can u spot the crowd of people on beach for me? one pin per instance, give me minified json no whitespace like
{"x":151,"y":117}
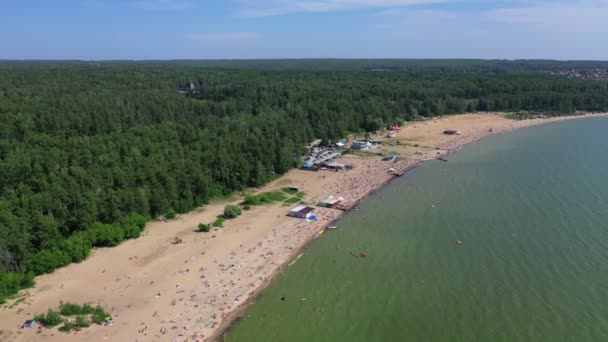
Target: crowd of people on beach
{"x":199,"y":312}
{"x":196,"y":313}
{"x":353,"y":188}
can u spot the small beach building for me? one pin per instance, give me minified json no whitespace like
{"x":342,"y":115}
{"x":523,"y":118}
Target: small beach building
{"x":331,"y":202}
{"x":334,"y":166}
{"x":302,"y":212}
{"x":361,"y":145}
{"x":189,"y":88}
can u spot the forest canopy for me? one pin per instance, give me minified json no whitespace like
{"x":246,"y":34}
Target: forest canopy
{"x":90,"y":151}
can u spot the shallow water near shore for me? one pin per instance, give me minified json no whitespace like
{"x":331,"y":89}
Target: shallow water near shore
{"x":531,"y":208}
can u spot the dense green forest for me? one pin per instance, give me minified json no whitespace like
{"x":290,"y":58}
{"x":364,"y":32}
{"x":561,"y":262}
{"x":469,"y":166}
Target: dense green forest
{"x":434,"y":65}
{"x":90,"y":151}
{"x":417,"y":65}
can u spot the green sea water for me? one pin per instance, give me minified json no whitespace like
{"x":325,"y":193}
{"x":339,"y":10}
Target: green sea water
{"x":531,"y":208}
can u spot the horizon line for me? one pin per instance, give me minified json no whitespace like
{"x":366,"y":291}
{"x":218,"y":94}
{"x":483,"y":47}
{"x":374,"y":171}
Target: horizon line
{"x":298,"y":59}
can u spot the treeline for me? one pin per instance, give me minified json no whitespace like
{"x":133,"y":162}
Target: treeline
{"x":90,"y":151}
{"x":499,"y":66}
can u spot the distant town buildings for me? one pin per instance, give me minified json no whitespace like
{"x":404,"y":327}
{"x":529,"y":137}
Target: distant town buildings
{"x":591,"y":74}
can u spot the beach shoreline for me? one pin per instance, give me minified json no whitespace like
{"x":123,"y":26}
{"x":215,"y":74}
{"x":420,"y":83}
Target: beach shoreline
{"x":451,"y":148}
{"x":153,"y":288}
{"x":235,"y":316}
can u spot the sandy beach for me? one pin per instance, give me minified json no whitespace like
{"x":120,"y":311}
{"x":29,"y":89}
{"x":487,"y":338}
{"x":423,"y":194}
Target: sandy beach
{"x":193,"y":291}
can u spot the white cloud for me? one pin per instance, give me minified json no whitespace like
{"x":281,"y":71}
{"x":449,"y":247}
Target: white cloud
{"x":565,"y":30}
{"x":582,"y":16}
{"x":254,"y":8}
{"x":224,"y":37}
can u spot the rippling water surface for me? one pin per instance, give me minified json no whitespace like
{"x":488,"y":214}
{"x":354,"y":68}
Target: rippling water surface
{"x":531,"y":208}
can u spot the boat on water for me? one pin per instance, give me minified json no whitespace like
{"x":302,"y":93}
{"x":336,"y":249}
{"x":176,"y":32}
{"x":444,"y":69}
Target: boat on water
{"x":331,"y":228}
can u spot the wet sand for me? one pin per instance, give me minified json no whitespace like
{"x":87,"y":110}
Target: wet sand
{"x":158,"y":291}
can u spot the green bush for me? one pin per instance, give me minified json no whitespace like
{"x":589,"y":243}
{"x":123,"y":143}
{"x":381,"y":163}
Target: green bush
{"x":87,"y":309}
{"x":251,"y":200}
{"x":246,"y":207}
{"x":131,"y":231}
{"x":70,"y":309}
{"x":231,"y":211}
{"x":204,"y":227}
{"x":78,"y":246}
{"x":133,"y":224}
{"x":170,"y":214}
{"x":100,"y":315}
{"x":219,"y":222}
{"x":50,"y":319}
{"x":135,"y":219}
{"x":53,"y":318}
{"x":48,"y":260}
{"x":105,"y":235}
{"x":66,"y":327}
{"x":82,"y":322}
{"x":11,"y":283}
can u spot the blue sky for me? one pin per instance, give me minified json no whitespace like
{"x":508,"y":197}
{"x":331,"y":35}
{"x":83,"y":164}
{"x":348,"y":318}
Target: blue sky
{"x":212,"y":29}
